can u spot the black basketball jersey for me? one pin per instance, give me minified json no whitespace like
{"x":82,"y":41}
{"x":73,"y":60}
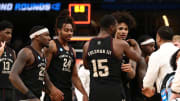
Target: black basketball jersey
{"x":61,"y":67}
{"x":33,"y":76}
{"x":105,"y":71}
{"x":6,"y":62}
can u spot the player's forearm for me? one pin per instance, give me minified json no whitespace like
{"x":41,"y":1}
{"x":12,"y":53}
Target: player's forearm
{"x":49,"y":85}
{"x":131,"y":74}
{"x":137,"y":49}
{"x":18,"y":83}
{"x":141,"y":70}
{"x":77,"y":83}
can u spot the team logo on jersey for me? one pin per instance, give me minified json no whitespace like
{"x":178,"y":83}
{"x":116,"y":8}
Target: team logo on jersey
{"x":99,"y":43}
{"x":39,"y":57}
{"x":60,"y":49}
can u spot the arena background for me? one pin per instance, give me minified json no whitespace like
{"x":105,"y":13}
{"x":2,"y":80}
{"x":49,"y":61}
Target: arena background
{"x":148,"y":15}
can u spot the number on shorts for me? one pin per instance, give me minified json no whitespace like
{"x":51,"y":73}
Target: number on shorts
{"x":97,"y":65}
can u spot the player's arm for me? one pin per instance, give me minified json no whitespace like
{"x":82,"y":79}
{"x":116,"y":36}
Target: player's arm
{"x":135,"y":46}
{"x":77,"y":82}
{"x":133,"y":43}
{"x":24,"y":57}
{"x":49,"y":52}
{"x":85,"y":49}
{"x":54,"y":93}
{"x":130,"y":68}
{"x":14,"y":55}
{"x":2,"y":48}
{"x":141,"y":64}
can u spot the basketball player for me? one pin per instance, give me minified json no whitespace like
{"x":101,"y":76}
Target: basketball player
{"x":7,"y":58}
{"x":28,"y":71}
{"x":61,"y":59}
{"x":103,"y":56}
{"x":147,"y":45}
{"x":126,"y":22}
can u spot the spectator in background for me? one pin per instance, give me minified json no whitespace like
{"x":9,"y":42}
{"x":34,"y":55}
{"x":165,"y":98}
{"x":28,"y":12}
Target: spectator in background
{"x":175,"y":87}
{"x":176,"y":40}
{"x":7,"y":58}
{"x":159,"y":62}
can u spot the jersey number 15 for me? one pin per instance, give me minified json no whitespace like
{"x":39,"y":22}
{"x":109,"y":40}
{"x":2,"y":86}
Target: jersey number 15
{"x":100,"y":70}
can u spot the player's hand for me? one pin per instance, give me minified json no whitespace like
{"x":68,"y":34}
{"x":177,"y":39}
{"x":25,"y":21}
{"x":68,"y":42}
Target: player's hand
{"x":56,"y":94}
{"x":126,"y":68}
{"x":85,"y":98}
{"x":35,"y":99}
{"x":148,"y":92}
{"x":174,"y":96}
{"x":2,"y":47}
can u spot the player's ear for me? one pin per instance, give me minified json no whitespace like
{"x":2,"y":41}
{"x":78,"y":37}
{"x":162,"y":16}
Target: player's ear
{"x":36,"y":36}
{"x":111,"y":27}
{"x":58,"y":31}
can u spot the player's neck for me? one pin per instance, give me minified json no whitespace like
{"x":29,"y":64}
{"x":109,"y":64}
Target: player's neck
{"x":37,"y":47}
{"x":144,"y":54}
{"x":63,"y":42}
{"x":104,"y":33}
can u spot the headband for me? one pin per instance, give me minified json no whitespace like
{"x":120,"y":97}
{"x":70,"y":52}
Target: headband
{"x":147,"y":42}
{"x":39,"y":32}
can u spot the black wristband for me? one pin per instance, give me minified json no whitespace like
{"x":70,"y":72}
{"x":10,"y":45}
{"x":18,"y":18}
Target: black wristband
{"x":174,"y":92}
{"x":30,"y":95}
